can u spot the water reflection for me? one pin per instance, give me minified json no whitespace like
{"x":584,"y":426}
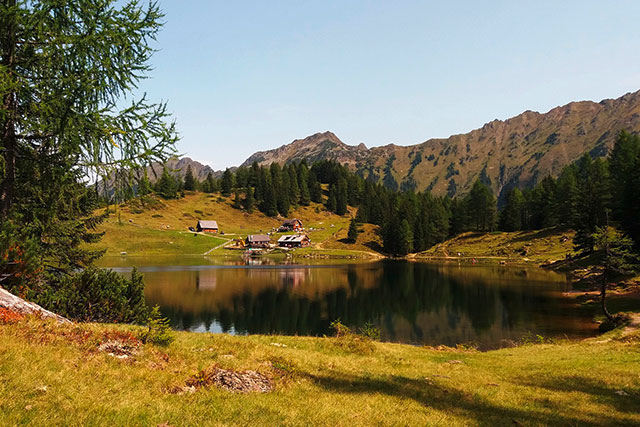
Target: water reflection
{"x":410,"y":302}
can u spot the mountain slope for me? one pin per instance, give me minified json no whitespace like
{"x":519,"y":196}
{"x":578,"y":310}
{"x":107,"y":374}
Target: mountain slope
{"x":517,"y":151}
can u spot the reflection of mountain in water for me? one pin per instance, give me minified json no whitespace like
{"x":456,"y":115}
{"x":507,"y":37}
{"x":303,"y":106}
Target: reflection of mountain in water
{"x":409,"y":302}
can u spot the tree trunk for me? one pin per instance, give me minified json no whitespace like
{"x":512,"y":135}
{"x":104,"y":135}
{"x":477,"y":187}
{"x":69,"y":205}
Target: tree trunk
{"x":9,"y":105}
{"x":603,"y":294}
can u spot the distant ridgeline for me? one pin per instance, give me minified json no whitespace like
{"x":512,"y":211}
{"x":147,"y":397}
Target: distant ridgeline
{"x":587,"y":194}
{"x":517,"y":152}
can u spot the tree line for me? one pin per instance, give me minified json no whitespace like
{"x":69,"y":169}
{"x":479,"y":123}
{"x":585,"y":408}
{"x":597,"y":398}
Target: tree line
{"x":587,"y":194}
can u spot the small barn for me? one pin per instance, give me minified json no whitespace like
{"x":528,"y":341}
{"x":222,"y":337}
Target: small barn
{"x":294,"y":241}
{"x":258,"y":241}
{"x":207,"y":226}
{"x":291,"y":225}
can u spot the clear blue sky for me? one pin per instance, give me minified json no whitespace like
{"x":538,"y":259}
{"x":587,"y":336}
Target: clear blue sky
{"x":242,"y":76}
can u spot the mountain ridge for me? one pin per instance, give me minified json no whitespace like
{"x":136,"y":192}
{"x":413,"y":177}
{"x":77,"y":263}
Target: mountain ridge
{"x":518,"y":151}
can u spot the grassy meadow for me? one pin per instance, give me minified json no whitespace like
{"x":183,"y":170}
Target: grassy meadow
{"x":160,"y":227}
{"x":538,"y":246}
{"x":320,"y":381}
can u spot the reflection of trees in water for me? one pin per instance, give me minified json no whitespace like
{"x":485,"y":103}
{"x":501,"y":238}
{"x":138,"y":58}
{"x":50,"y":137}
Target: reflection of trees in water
{"x":404,"y":291}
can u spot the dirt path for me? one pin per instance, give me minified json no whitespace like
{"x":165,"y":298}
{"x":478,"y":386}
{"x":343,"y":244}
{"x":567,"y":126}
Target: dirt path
{"x":217,"y":247}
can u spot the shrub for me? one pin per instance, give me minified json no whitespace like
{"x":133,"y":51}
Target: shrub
{"x":198,"y":211}
{"x":352,"y":342}
{"x":94,"y":295}
{"x":158,"y":331}
{"x":156,"y":216}
{"x":370,"y":331}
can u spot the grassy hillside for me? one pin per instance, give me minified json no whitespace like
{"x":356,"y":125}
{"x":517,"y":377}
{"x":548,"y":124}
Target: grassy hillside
{"x":160,"y":227}
{"x":539,"y":246}
{"x":73,"y":380}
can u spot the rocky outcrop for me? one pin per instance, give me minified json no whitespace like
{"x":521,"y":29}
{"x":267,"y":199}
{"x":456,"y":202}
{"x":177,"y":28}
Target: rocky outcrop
{"x":17,"y":305}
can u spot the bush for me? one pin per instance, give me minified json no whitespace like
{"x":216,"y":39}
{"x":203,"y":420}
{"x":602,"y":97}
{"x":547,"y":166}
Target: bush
{"x":158,"y":331}
{"x":352,"y":342}
{"x":94,"y":295}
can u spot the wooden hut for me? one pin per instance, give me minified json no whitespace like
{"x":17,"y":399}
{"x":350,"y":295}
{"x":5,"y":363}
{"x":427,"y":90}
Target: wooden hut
{"x":258,"y":241}
{"x":207,"y":226}
{"x":294,"y":241}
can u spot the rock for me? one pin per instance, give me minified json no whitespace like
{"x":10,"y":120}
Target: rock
{"x":18,"y":305}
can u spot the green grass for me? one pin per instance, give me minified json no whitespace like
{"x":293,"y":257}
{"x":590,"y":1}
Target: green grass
{"x":318,"y":381}
{"x":147,"y":241}
{"x":147,"y":229}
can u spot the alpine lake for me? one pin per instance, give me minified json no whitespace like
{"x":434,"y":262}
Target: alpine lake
{"x":420,"y":303}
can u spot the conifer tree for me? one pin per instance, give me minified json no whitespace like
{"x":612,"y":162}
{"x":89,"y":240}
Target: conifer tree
{"x":315,"y":189}
{"x":341,"y":197}
{"x":167,"y":187}
{"x":352,"y":234}
{"x":303,"y":176}
{"x":189,"y":180}
{"x":144,"y":186}
{"x":237,"y":203}
{"x":511,"y":215}
{"x":332,"y":201}
{"x":227,"y":182}
{"x":249,"y":201}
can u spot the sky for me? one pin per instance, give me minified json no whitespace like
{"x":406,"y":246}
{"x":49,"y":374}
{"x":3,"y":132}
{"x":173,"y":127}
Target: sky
{"x":244,"y":76}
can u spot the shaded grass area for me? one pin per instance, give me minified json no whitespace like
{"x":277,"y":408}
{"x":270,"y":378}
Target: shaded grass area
{"x":317,"y":381}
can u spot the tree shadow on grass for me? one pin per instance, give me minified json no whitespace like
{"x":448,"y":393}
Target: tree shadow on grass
{"x":622,"y":399}
{"x":539,"y":234}
{"x":460,"y":403}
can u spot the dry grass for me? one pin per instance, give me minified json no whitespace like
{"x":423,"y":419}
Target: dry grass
{"x":70,"y":382}
{"x":540,"y":246}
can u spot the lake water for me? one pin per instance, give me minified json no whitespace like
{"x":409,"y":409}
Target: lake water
{"x":410,"y":302}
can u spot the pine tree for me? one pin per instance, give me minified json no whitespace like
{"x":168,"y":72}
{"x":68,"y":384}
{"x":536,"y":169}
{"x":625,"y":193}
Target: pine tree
{"x":237,"y":203}
{"x":352,"y":234}
{"x":167,"y":187}
{"x":481,"y":207}
{"x":189,"y":180}
{"x":315,"y":188}
{"x":511,"y":214}
{"x":66,"y":69}
{"x":303,"y":175}
{"x":617,"y":259}
{"x":294,"y":188}
{"x":341,"y":197}
{"x":624,"y":169}
{"x":227,"y":182}
{"x":332,"y":201}
{"x":144,"y":186}
{"x":249,"y":201}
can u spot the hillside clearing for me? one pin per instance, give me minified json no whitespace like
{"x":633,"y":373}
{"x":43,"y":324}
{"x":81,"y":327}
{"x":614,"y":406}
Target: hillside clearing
{"x":161,"y":227}
{"x":539,"y":246}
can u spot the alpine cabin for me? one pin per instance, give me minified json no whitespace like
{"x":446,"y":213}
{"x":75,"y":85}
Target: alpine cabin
{"x":294,"y":241}
{"x":207,"y":226}
{"x":291,"y":225}
{"x":258,"y":241}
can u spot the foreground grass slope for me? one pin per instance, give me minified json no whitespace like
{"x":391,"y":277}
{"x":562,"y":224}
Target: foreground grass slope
{"x":160,"y":227}
{"x":323,"y":381}
{"x":539,"y":246}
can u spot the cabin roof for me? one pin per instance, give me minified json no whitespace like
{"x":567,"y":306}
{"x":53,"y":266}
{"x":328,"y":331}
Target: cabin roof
{"x":291,"y":221}
{"x":292,"y":238}
{"x":254,"y":238}
{"x":207,"y":224}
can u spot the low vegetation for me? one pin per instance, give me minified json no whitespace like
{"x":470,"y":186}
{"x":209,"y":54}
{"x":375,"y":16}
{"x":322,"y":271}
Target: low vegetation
{"x":94,"y":374}
{"x":541,"y":246}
